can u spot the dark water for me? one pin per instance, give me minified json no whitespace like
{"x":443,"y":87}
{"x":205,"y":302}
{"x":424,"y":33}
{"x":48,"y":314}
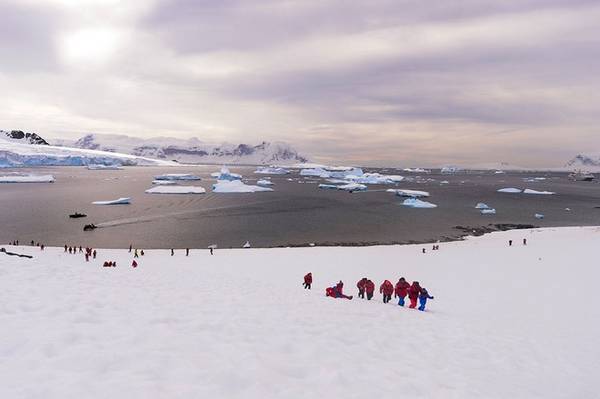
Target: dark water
{"x":293,"y":214}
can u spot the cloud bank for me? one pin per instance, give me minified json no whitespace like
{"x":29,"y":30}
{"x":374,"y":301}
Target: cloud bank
{"x":373,"y":83}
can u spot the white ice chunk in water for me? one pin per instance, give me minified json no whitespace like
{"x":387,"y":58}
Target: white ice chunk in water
{"x":539,"y":216}
{"x":164,"y":182}
{"x":271,"y":171}
{"x":408,"y":193}
{"x":264,"y":182}
{"x":169,"y":189}
{"x":246,"y":245}
{"x":530,"y":191}
{"x":27,"y":179}
{"x":328,"y":186}
{"x":352,"y":187}
{"x":120,"y":201}
{"x":225,"y":174}
{"x":417,"y":203}
{"x":510,"y":190}
{"x":481,"y":205}
{"x":237,"y":186}
{"x":488,"y":211}
{"x":177,"y":176}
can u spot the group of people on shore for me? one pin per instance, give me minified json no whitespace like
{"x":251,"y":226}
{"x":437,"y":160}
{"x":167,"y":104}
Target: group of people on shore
{"x":366,"y":287}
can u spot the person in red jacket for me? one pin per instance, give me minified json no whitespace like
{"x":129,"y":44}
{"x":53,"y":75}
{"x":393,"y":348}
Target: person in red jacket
{"x":361,"y":287}
{"x":401,"y":290}
{"x":387,"y":289}
{"x":369,"y":289}
{"x":337,"y":291}
{"x":413,"y":294}
{"x":308,"y":281}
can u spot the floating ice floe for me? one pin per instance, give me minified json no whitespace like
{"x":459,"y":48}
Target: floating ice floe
{"x":169,"y":189}
{"x":225,"y":174}
{"x":177,"y":176}
{"x":416,"y":170}
{"x":336,"y":172}
{"x":539,"y":216}
{"x":237,"y":186}
{"x":446,"y":170}
{"x":164,"y":182}
{"x":270,"y":170}
{"x":510,"y":190}
{"x":104,"y":167}
{"x":481,"y":205}
{"x":446,"y":182}
{"x":328,"y":186}
{"x":352,"y":187}
{"x":499,"y":172}
{"x":246,"y":245}
{"x":264,"y":182}
{"x":530,"y":191}
{"x":120,"y":201}
{"x":408,"y":193}
{"x":27,"y":179}
{"x":488,"y":211}
{"x":375,"y":178}
{"x":417,"y":203}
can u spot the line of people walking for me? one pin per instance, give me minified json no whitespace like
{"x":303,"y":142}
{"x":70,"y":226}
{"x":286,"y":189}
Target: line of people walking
{"x":366,"y":287}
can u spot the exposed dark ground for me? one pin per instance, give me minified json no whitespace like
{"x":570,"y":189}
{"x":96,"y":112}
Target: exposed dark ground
{"x":294,"y":214}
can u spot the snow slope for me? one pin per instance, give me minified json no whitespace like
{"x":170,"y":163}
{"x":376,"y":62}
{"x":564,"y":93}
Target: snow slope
{"x":506,"y":322}
{"x":15,"y":153}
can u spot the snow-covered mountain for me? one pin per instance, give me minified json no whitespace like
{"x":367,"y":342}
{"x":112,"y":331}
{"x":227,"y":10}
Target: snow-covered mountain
{"x":189,"y":151}
{"x":22,"y":137}
{"x":16,"y":152}
{"x":585,"y":162}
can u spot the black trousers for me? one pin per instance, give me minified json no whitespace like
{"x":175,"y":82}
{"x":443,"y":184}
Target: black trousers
{"x":369,"y":295}
{"x":306,"y":286}
{"x":361,"y":294}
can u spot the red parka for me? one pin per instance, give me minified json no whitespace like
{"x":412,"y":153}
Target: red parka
{"x":414,"y":290}
{"x":369,"y":287}
{"x":308,"y":278}
{"x":402,"y":287}
{"x":361,"y":284}
{"x":387,"y":288}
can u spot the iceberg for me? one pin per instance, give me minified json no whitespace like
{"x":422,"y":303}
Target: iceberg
{"x":237,"y":186}
{"x":417,"y":203}
{"x":375,"y":178}
{"x":352,"y":187}
{"x":264,"y":182}
{"x":225,"y":174}
{"x":408,"y":193}
{"x":328,"y":186}
{"x":416,"y":170}
{"x":447,"y":170}
{"x":510,"y":190}
{"x":317,"y":172}
{"x":104,"y":167}
{"x":488,"y":211}
{"x":530,"y":191}
{"x":246,"y":245}
{"x":164,"y":182}
{"x":271,"y":171}
{"x":177,"y":176}
{"x":120,"y":201}
{"x":27,"y":179}
{"x":481,"y":205}
{"x":539,"y":216}
{"x":168,"y":189}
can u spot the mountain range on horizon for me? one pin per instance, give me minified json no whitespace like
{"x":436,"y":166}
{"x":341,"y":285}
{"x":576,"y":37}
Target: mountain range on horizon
{"x":195,"y":151}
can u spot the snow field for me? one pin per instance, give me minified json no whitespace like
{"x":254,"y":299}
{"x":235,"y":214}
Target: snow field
{"x":518,"y":322}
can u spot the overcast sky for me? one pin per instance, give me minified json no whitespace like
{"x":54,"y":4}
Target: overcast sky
{"x":378,"y":82}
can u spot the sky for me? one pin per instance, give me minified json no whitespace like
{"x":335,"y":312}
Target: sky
{"x":378,"y":82}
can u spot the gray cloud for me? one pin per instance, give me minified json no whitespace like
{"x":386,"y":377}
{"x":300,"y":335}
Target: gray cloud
{"x":388,"y":82}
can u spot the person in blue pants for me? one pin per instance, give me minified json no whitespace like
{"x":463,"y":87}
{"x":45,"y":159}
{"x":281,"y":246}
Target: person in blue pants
{"x":423,"y":297}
